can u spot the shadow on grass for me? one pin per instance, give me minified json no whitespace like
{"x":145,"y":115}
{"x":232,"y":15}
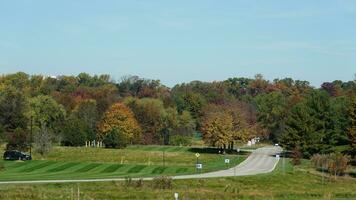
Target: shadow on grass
{"x":112,"y":168}
{"x":88,"y":167}
{"x":352,"y":174}
{"x":136,"y":169}
{"x":158,"y":170}
{"x":63,"y":167}
{"x":37,"y":167}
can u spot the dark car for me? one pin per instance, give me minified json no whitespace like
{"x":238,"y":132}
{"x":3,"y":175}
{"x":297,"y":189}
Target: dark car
{"x":16,"y":155}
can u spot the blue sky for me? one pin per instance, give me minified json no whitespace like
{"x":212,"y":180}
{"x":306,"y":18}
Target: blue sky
{"x":180,"y":41}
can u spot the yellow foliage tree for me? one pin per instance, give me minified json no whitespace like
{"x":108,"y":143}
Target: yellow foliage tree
{"x":120,"y":118}
{"x":217,"y":129}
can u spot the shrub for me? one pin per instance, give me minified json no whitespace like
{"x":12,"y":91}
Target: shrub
{"x":180,"y":140}
{"x":296,"y":156}
{"x":115,"y":139}
{"x":162,"y":182}
{"x":319,"y":161}
{"x":335,"y":163}
{"x":75,"y":132}
{"x":129,"y":182}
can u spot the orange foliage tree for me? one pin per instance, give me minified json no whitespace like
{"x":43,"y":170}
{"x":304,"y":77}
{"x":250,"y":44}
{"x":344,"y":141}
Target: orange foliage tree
{"x":121,"y":119}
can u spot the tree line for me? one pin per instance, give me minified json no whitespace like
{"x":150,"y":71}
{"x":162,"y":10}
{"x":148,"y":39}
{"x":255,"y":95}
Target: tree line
{"x":71,"y":110}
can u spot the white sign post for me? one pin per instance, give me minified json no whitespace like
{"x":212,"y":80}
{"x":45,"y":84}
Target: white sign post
{"x":176,"y":195}
{"x":199,"y":166}
{"x":227,"y":161}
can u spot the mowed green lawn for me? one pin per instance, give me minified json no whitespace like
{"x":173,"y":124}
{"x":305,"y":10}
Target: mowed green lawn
{"x":285,"y":183}
{"x":134,"y":161}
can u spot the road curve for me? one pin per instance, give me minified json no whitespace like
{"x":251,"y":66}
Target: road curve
{"x":260,"y":161}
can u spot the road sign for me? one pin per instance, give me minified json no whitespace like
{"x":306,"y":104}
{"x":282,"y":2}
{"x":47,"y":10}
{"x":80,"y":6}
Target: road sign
{"x":176,"y":195}
{"x":277,"y":156}
{"x":199,"y":166}
{"x":227,"y":161}
{"x":197,"y":155}
{"x":238,"y":149}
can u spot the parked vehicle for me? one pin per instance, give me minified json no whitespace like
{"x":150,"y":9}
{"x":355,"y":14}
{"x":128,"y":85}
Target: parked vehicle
{"x":16,"y":155}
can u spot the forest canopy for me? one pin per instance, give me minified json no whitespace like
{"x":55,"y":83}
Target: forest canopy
{"x":134,"y":110}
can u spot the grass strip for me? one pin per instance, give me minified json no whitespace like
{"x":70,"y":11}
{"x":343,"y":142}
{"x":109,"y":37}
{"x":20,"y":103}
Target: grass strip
{"x":158,"y":170}
{"x":62,"y":167}
{"x":111,"y":168}
{"x":181,"y":170}
{"x":37,"y":167}
{"x":88,"y":167}
{"x":136,"y":169}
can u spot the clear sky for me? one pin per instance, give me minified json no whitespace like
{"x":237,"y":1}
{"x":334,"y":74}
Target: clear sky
{"x":182,"y":40}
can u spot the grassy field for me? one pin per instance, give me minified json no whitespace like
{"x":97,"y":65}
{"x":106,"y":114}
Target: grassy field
{"x":135,"y":161}
{"x":285,"y":183}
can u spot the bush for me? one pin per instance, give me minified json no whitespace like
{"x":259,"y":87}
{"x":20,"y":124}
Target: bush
{"x":335,"y":164}
{"x":115,"y":139}
{"x":319,"y":161}
{"x":179,"y":140}
{"x":162,"y":182}
{"x":129,"y":182}
{"x":75,"y":133}
{"x":296,"y":156}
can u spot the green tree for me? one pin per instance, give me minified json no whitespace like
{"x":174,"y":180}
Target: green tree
{"x":87,"y":112}
{"x":309,"y":125}
{"x":76,"y":132}
{"x":352,"y":128}
{"x":272,"y":113}
{"x":12,"y":108}
{"x":116,"y":139}
{"x":44,"y":110}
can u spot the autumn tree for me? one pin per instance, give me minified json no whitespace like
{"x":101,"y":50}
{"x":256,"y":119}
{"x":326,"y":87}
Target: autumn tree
{"x":120,"y":121}
{"x":151,"y":114}
{"x":217,"y":129}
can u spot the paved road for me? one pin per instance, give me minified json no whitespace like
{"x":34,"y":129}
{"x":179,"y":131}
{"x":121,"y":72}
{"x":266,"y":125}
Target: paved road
{"x":260,"y":161}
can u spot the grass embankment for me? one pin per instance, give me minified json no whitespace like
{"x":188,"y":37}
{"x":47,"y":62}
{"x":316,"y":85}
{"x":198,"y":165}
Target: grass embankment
{"x":135,"y":161}
{"x":285,"y":183}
